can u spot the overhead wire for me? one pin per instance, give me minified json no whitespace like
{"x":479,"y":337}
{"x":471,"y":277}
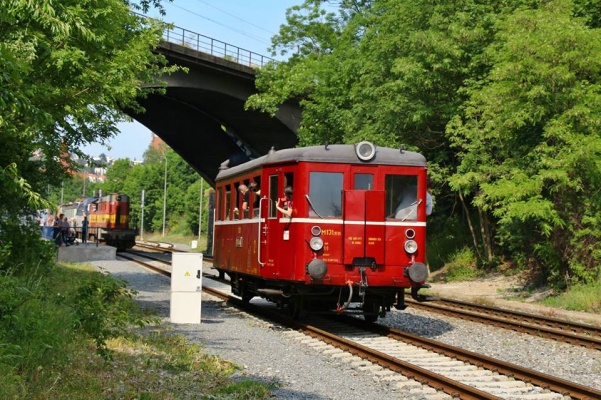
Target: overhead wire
{"x":249,"y":35}
{"x":238,"y":18}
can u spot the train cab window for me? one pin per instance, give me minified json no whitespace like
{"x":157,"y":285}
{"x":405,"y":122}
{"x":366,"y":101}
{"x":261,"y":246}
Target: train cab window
{"x":364,"y":182}
{"x":273,"y":195}
{"x":289,"y":180}
{"x":325,"y":192}
{"x":401,"y":197}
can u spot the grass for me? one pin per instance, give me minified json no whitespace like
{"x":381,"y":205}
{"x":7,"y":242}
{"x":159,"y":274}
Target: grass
{"x":461,"y":267}
{"x":578,"y":298}
{"x":149,"y":364}
{"x":53,"y":358}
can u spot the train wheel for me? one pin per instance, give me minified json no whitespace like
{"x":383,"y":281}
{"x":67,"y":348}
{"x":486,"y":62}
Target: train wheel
{"x":371,"y":309}
{"x":247,"y":296}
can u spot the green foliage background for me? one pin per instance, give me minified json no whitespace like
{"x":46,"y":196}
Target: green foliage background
{"x":501,"y":97}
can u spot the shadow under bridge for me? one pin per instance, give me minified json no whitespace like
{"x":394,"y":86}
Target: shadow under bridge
{"x":202,"y":117}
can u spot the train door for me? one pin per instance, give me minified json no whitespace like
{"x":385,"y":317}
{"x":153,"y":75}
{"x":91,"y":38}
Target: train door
{"x":267,"y":226}
{"x":364,"y":217}
{"x":276,"y":238}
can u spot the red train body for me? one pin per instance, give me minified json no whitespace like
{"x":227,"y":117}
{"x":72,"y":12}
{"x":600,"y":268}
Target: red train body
{"x":108,"y":218}
{"x":348,"y":245}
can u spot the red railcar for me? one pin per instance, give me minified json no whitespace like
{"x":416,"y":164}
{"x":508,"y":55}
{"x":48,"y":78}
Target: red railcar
{"x":356,"y":238}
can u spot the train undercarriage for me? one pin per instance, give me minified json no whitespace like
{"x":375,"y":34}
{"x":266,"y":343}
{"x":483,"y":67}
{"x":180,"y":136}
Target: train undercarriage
{"x":299,"y":298}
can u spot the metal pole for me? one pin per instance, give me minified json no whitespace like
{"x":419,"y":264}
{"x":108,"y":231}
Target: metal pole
{"x":142,"y":224}
{"x":165,"y":197}
{"x":200,"y":212}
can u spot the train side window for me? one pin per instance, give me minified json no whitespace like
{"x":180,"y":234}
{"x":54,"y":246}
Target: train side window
{"x":219,"y":211}
{"x":401,"y":197}
{"x":228,"y":195}
{"x":241,"y":213}
{"x":325,"y":191}
{"x":364,"y":182}
{"x":255,"y":195}
{"x":273,"y":195}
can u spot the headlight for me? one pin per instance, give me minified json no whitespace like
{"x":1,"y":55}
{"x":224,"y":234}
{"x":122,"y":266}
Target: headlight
{"x":410,"y":246}
{"x":365,"y":150}
{"x":316,"y":243}
{"x":315,"y":230}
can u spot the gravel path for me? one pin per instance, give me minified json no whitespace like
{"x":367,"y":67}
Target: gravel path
{"x":262,"y":349}
{"x":270,"y":353}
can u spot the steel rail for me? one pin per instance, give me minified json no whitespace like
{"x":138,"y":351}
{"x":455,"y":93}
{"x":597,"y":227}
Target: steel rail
{"x":558,"y":323}
{"x":527,"y":323}
{"x":422,"y":375}
{"x":555,"y":384}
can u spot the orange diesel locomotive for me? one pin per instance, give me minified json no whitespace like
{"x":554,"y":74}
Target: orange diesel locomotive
{"x":108,"y":218}
{"x":355,"y":239}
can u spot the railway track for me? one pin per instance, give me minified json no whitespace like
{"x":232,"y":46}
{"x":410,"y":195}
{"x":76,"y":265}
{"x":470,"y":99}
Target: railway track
{"x":169,"y":247}
{"x":552,"y":328}
{"x":457,"y":372}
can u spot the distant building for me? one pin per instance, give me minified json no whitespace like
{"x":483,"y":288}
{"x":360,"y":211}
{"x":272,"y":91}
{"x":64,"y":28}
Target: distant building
{"x":158,"y":144}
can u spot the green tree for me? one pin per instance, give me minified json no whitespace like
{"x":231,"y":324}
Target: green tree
{"x":390,"y":72}
{"x":193,"y":203}
{"x":501,"y":98}
{"x":118,"y":175}
{"x":67,"y":72}
{"x":529,"y":141}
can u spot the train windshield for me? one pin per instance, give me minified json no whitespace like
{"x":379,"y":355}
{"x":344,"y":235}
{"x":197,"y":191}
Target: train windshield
{"x":325,"y":191}
{"x":364,"y":182}
{"x":401,"y":197}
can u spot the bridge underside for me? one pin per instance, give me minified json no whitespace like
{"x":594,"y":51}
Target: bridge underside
{"x":202,"y":117}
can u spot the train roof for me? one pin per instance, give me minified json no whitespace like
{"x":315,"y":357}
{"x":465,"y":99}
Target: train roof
{"x":335,"y":154}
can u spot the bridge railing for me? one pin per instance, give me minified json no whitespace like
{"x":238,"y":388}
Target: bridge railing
{"x":215,"y":47}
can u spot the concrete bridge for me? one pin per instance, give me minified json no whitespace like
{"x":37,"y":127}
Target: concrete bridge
{"x":202,"y":117}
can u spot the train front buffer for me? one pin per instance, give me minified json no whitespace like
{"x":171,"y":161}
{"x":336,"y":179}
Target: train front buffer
{"x":366,"y":255}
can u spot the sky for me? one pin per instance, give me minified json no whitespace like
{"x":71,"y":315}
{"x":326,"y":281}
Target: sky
{"x":248,"y":24}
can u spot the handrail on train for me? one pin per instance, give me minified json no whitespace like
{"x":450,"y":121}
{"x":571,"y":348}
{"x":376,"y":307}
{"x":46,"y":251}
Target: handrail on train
{"x":214,"y":47}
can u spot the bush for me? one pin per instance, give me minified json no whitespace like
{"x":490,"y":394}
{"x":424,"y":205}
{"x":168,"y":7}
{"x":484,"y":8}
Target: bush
{"x":34,"y":330}
{"x":462,"y":266}
{"x":445,"y":236}
{"x":22,"y":248}
{"x":103,"y":310}
{"x":578,"y":298}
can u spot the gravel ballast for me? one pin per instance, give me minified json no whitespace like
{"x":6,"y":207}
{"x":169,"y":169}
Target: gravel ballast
{"x":269,"y":353}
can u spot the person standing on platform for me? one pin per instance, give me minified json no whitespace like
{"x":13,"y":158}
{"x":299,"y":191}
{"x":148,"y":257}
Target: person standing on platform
{"x":65,"y":230}
{"x":84,"y":229}
{"x":58,"y":230}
